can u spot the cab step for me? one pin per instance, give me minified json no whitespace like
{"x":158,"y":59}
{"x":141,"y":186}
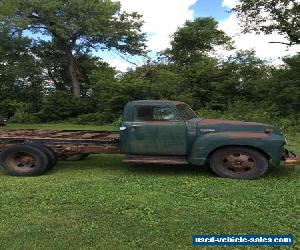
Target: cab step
{"x":172,"y":160}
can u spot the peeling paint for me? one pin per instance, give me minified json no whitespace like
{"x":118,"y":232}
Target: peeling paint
{"x":258,"y":135}
{"x":226,"y":122}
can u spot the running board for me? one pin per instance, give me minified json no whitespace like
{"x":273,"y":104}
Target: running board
{"x":172,"y":160}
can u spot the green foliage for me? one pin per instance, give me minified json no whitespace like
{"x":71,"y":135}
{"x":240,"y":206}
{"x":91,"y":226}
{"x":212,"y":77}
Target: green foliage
{"x":76,"y":25}
{"x":8,"y":107}
{"x":283,"y":17}
{"x":93,"y":119}
{"x":33,"y":73}
{"x":21,"y":116}
{"x":256,"y":112}
{"x":53,"y":64}
{"x":117,"y":122}
{"x":60,"y":106}
{"x":195,"y":39}
{"x":284,"y":87}
{"x":21,"y":76}
{"x":95,"y":23}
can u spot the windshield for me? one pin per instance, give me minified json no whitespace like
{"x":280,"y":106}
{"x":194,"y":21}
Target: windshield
{"x":186,"y":112}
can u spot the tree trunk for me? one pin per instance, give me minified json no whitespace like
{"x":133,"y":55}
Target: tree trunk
{"x":72,"y":71}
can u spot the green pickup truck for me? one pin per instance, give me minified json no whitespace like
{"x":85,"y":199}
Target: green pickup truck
{"x":156,"y":132}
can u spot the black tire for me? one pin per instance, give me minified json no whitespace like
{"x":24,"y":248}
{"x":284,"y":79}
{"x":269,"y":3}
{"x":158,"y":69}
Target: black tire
{"x":239,"y":163}
{"x":52,"y":158}
{"x":24,"y":160}
{"x":76,"y":157}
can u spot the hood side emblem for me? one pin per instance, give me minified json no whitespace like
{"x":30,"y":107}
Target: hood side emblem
{"x":207,"y":130}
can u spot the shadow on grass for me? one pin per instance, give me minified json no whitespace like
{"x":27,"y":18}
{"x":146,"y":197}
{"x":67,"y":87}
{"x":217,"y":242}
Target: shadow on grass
{"x":282,"y":171}
{"x":113,"y":163}
{"x":168,"y":169}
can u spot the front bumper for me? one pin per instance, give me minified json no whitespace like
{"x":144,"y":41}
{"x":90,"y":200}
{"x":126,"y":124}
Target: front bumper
{"x":290,"y":159}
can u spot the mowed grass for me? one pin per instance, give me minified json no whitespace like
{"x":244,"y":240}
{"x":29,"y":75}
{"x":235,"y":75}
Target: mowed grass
{"x":102,"y":203}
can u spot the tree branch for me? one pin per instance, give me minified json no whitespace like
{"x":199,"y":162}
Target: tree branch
{"x":125,"y":59}
{"x":288,"y":44}
{"x":50,"y":74}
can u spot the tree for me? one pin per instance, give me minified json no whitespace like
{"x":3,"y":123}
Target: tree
{"x":244,"y":76}
{"x":284,"y":87}
{"x":268,"y":16}
{"x":195,"y":39}
{"x":54,"y":65}
{"x":76,"y":25}
{"x":21,"y":76}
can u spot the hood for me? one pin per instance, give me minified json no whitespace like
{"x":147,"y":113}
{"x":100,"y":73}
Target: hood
{"x":209,"y":125}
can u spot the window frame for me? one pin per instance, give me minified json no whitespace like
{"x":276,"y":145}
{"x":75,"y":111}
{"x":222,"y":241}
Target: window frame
{"x":173,"y":109}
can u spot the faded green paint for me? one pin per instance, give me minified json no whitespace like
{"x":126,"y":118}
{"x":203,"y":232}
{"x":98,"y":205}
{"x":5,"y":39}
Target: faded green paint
{"x":150,"y":138}
{"x":196,"y":138}
{"x":153,"y":137}
{"x":207,"y":143}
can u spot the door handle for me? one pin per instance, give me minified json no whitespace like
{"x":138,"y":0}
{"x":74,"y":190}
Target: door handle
{"x":136,"y":126}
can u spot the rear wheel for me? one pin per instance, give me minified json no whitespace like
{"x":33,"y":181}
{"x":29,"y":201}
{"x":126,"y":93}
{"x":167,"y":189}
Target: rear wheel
{"x":24,"y":160}
{"x":52,"y":158}
{"x":239,"y":163}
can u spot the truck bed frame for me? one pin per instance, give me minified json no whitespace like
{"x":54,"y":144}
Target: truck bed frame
{"x":64,"y":142}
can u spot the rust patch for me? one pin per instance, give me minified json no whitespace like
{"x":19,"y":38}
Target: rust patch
{"x":172,"y":160}
{"x":64,"y":142}
{"x":226,"y":122}
{"x":98,"y":149}
{"x":257,"y":135}
{"x":58,"y":134}
{"x":153,"y":122}
{"x":71,"y":149}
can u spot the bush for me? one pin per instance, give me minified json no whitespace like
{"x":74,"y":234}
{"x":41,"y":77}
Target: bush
{"x":59,"y":106}
{"x":21,"y":116}
{"x":117,"y":121}
{"x":93,"y":119}
{"x":257,"y":112}
{"x":9,"y":107}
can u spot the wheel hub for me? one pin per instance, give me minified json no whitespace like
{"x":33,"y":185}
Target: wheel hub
{"x":239,"y":162}
{"x":22,"y":160}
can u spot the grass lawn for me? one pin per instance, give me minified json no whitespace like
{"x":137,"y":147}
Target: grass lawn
{"x":103,"y":203}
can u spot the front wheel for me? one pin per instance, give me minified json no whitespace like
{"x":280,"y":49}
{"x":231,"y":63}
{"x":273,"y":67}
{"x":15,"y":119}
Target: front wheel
{"x":52,"y":158}
{"x":239,"y":163}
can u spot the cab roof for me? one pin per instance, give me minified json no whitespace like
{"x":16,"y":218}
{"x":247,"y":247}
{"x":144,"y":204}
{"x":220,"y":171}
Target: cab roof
{"x":156,"y":102}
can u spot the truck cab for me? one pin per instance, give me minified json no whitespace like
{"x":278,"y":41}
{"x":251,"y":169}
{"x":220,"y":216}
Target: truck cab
{"x":154,"y":128}
{"x":162,"y":131}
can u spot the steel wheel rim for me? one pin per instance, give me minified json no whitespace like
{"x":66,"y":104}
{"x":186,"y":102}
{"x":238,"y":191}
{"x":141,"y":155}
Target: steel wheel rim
{"x":21,"y":161}
{"x":239,"y":162}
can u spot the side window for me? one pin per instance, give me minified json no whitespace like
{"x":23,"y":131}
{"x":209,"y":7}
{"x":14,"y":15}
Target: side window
{"x":163,"y":114}
{"x":144,"y":113}
{"x":151,"y":113}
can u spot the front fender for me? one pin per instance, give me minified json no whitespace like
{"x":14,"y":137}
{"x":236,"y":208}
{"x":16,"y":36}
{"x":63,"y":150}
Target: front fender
{"x":205,"y":144}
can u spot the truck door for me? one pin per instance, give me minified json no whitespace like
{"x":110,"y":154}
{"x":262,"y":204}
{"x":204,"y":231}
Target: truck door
{"x":157,"y":130}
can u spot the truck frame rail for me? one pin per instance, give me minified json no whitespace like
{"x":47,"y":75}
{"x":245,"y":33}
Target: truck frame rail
{"x":64,"y":142}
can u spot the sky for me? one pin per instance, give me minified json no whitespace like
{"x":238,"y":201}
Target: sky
{"x":163,"y":17}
